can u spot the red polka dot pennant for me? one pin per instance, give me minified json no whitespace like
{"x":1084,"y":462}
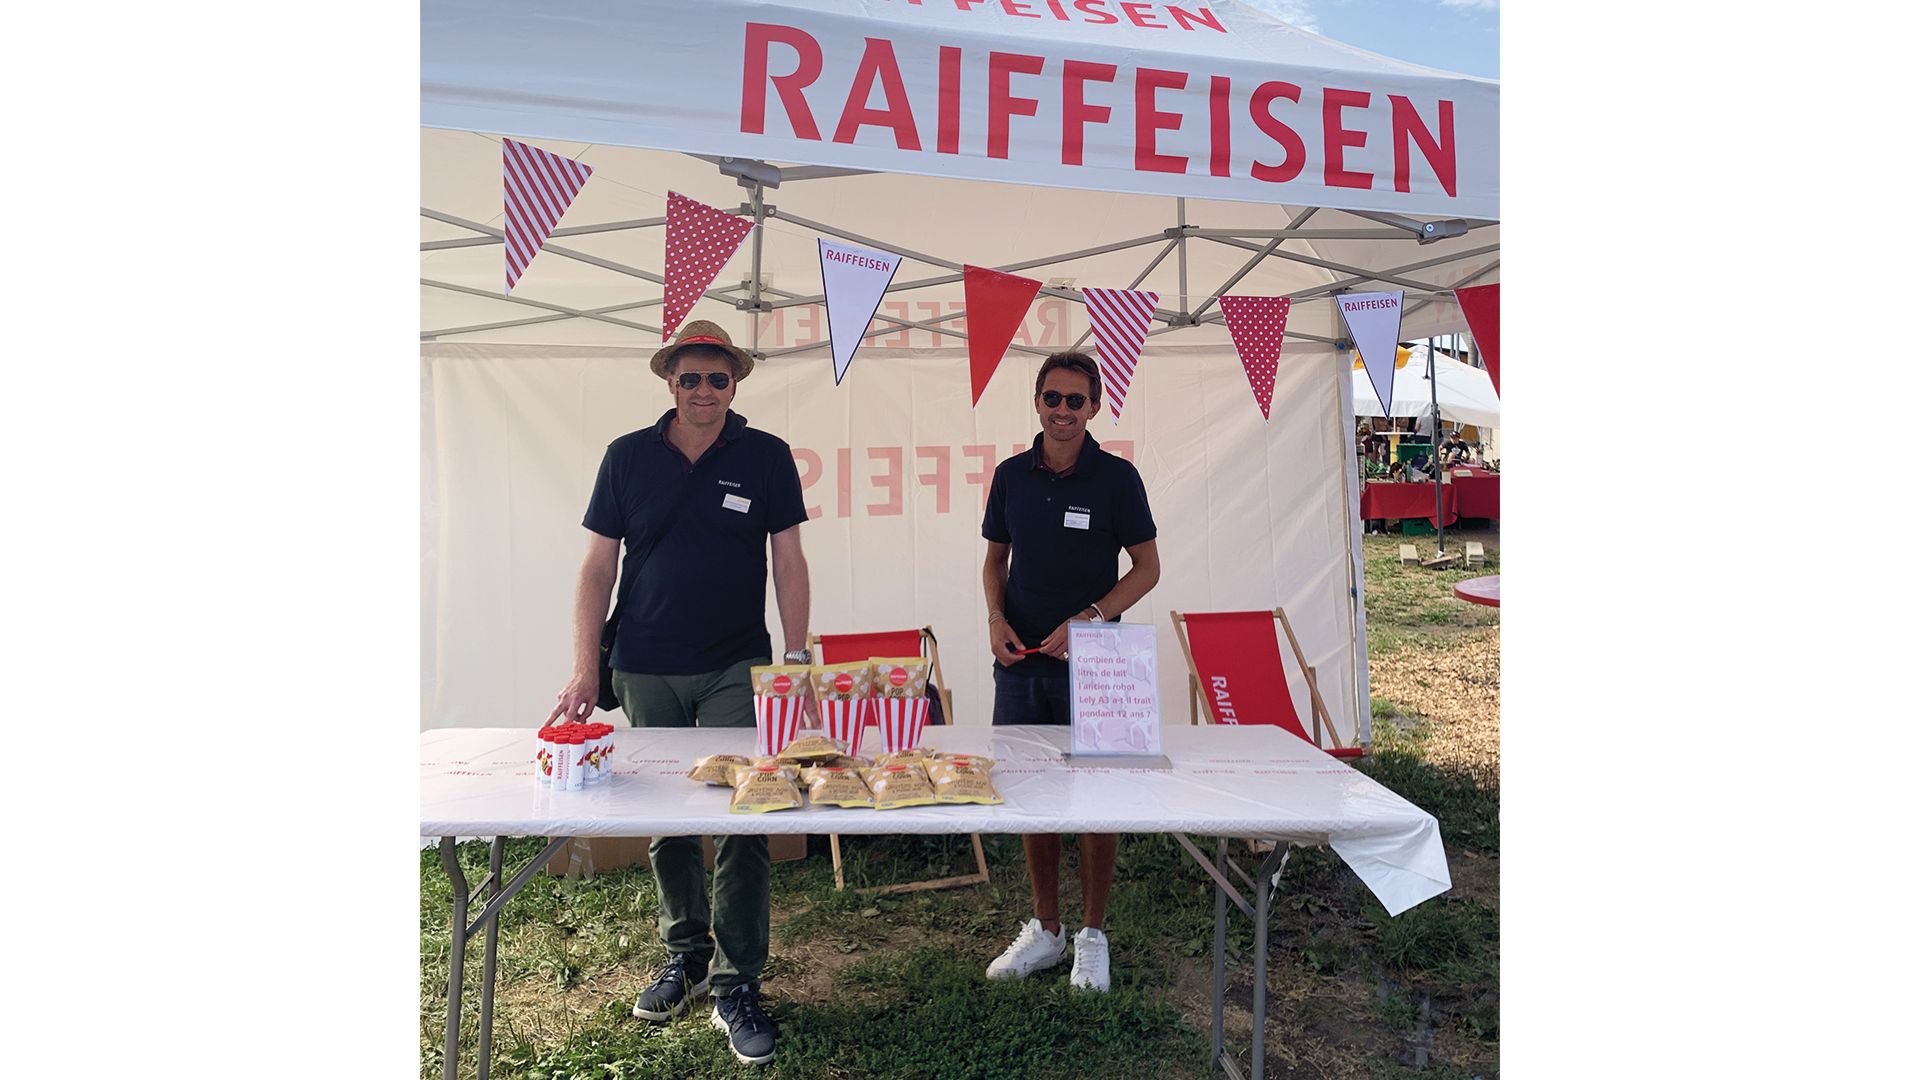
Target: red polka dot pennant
{"x":1257,"y":324}
{"x":540,"y":185}
{"x":700,"y":240}
{"x":1120,"y":318}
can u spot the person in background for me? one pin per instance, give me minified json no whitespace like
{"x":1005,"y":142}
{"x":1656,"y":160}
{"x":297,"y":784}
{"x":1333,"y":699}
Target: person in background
{"x":1057,"y":518}
{"x":1417,"y":470}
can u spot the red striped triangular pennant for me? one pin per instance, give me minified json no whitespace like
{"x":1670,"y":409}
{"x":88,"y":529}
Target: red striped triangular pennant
{"x":1258,"y":323}
{"x":1481,"y":306}
{"x":1120,"y":318}
{"x":996,"y":303}
{"x":540,"y":186}
{"x":700,"y":240}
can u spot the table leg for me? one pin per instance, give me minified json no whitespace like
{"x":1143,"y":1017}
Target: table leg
{"x":1262,"y":896}
{"x":494,"y":860}
{"x":1219,"y":954}
{"x":458,"y":943}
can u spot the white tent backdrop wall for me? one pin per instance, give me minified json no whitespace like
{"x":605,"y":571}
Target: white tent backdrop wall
{"x":895,"y":467}
{"x":522,"y":393}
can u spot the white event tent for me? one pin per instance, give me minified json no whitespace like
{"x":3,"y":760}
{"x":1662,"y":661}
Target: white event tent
{"x":1466,"y":392}
{"x":1189,"y":148}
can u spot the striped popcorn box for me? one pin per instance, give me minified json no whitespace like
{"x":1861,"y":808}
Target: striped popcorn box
{"x":901,"y":721}
{"x":776,"y":721}
{"x":846,"y":721}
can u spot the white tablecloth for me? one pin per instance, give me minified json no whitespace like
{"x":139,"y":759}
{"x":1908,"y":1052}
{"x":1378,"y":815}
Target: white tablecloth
{"x":1251,"y":781}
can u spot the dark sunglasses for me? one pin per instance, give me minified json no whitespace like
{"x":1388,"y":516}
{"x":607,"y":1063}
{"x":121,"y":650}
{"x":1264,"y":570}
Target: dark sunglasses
{"x":716,"y":379}
{"x":1053,"y":398}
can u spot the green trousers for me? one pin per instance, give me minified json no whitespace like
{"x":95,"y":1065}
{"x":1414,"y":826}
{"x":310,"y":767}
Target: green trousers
{"x":730,"y":934}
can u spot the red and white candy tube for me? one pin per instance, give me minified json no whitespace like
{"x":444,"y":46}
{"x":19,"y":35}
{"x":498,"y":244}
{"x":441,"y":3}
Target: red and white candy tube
{"x":543,"y":757}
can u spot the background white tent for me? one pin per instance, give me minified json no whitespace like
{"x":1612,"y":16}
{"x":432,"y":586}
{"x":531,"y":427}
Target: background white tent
{"x":521,"y":394}
{"x":1466,"y":392}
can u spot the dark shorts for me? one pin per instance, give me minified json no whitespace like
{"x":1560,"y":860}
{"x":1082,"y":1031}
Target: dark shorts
{"x":1030,"y":699}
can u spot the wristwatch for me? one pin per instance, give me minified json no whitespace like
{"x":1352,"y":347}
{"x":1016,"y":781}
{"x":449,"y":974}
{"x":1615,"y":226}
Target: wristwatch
{"x":799,"y":656}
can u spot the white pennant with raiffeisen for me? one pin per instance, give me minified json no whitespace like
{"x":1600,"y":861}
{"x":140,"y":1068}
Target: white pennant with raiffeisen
{"x":853,"y":279}
{"x":1373,"y":318}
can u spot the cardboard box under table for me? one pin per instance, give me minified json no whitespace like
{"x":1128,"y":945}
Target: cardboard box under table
{"x":1254,"y":781}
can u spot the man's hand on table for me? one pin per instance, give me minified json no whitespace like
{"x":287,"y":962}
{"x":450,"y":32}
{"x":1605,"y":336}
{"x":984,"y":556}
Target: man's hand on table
{"x":577,"y":699}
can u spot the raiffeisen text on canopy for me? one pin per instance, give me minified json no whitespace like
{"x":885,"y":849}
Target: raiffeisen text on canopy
{"x":1230,"y":116}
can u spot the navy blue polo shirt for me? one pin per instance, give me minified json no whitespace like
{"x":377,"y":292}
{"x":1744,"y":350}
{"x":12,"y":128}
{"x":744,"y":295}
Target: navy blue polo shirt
{"x":699,"y":602}
{"x":1066,"y":532}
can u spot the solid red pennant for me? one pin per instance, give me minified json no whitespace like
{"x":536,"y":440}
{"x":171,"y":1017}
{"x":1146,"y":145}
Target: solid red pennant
{"x":1257,"y":325}
{"x":700,"y":240}
{"x":996,"y":303}
{"x":1481,"y":306}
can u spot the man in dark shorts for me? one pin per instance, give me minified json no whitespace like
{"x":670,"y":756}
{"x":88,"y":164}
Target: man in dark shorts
{"x":1062,"y":512}
{"x":696,"y":497}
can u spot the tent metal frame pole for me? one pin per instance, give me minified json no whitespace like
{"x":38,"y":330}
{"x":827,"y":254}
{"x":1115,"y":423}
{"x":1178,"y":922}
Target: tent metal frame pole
{"x":1181,"y":210}
{"x":1271,"y":247}
{"x":1433,"y":448}
{"x":757,"y":199}
{"x":1291,"y":233}
{"x":1390,"y":277}
{"x":1137,"y":279}
{"x":574,"y":230}
{"x":541,"y":304}
{"x":1292,"y":335}
{"x":1461,"y":284}
{"x":948,"y":279}
{"x":756,"y":293}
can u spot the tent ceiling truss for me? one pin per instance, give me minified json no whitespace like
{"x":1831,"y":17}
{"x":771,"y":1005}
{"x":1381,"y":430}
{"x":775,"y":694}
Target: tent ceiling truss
{"x":753,"y":295}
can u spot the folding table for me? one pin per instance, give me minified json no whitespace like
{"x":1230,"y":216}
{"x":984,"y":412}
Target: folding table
{"x":1253,"y":781}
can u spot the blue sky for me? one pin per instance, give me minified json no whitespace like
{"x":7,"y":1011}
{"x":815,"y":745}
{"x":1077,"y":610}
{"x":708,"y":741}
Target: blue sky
{"x":1456,"y":35}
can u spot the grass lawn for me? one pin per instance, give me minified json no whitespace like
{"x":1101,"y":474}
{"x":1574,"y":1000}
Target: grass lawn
{"x":893,"y":987}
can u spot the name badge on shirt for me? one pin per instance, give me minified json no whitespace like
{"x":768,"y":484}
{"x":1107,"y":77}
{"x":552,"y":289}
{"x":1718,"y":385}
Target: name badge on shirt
{"x":1076,"y":519}
{"x":736,"y":503}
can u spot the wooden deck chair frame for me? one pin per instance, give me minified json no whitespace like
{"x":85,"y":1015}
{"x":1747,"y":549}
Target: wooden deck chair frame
{"x":930,"y":648}
{"x":1196,"y":700}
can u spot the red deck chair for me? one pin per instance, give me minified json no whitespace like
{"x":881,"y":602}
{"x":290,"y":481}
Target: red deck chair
{"x":847,"y":648}
{"x":1241,"y":650}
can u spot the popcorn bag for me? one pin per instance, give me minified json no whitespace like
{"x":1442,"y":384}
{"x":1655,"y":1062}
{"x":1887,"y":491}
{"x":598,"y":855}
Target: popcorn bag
{"x":901,"y":721}
{"x":842,"y":691}
{"x":779,"y":704}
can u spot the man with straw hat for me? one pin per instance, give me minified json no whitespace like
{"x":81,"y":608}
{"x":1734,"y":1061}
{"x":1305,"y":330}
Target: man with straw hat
{"x":696,"y":498}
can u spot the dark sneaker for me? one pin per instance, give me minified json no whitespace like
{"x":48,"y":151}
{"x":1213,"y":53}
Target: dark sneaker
{"x":683,"y":979}
{"x":749,"y":1031}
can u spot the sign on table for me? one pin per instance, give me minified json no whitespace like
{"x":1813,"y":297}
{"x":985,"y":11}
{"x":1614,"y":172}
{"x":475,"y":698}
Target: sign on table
{"x":1114,"y":682}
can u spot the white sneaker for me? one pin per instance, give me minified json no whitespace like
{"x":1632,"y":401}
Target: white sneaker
{"x":1031,"y":951}
{"x":1090,"y":960}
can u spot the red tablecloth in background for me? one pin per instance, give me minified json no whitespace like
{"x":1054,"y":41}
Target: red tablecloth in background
{"x":1477,"y":496}
{"x":1394,"y":502}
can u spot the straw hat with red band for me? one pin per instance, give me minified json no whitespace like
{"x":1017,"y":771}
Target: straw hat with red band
{"x":702,"y":332}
